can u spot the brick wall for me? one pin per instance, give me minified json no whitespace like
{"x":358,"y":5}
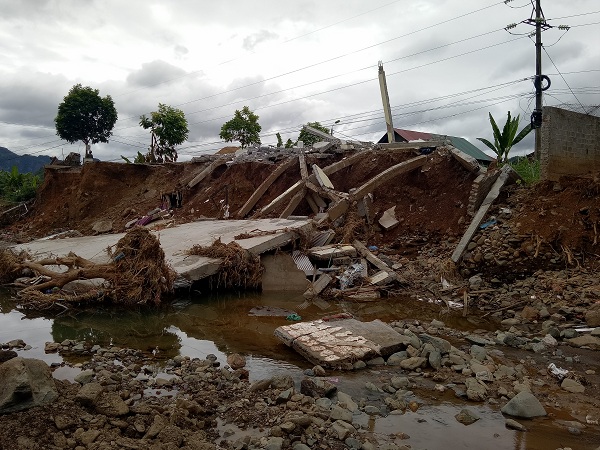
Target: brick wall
{"x":480,"y":189}
{"x":570,"y":143}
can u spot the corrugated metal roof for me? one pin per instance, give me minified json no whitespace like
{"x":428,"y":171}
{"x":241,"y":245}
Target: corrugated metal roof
{"x":465,"y":146}
{"x":302,"y":262}
{"x":413,"y":135}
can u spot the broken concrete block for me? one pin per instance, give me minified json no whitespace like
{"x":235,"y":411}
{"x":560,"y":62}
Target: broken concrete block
{"x":338,"y":344}
{"x":322,"y":145}
{"x":282,"y":274}
{"x":381,"y":278}
{"x":365,"y":207}
{"x":329,"y":252}
{"x":318,"y":286}
{"x":388,"y":221}
{"x":322,"y":179}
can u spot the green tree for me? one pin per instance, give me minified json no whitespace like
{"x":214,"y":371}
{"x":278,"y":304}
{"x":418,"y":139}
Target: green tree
{"x":505,"y":140}
{"x":18,"y":187}
{"x":308,"y":138}
{"x":289,"y":143}
{"x":244,"y":128}
{"x":85,"y":116}
{"x":168,"y":128}
{"x":279,"y":140}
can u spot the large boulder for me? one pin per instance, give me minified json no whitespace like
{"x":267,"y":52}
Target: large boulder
{"x":524,"y":405}
{"x":25,"y":383}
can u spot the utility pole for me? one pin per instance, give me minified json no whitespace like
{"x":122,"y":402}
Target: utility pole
{"x":540,"y":24}
{"x":386,"y":104}
{"x":538,"y":78}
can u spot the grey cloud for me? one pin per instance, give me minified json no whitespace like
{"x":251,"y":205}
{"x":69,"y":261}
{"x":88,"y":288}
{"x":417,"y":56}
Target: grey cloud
{"x":153,"y":73}
{"x":250,"y":42}
{"x":181,"y":50}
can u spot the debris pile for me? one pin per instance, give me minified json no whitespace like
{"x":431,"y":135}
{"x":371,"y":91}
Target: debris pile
{"x":136,"y":274}
{"x":238,"y":268}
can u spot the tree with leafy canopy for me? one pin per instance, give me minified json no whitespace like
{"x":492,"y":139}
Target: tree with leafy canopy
{"x":85,"y":116}
{"x":244,"y":128}
{"x":168,"y":128}
{"x":505,"y":140}
{"x":309,"y":139}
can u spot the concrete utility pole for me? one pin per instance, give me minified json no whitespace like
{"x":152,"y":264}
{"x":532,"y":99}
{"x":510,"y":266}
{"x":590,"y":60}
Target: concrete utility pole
{"x":386,"y":104}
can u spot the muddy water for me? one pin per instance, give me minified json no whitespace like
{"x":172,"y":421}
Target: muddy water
{"x":197,"y":325}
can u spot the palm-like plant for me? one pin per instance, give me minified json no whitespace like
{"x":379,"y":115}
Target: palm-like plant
{"x":504,"y":141}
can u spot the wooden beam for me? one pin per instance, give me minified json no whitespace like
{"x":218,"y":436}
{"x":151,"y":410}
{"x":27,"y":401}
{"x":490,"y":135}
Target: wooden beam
{"x":387,"y":175}
{"x":411,"y":145}
{"x":293,"y":204}
{"x":266,"y":184}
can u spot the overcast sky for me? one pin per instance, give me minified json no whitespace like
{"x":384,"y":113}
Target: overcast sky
{"x":448,"y":63}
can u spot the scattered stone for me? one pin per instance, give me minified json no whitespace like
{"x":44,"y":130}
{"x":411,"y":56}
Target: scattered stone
{"x":25,"y":383}
{"x":524,"y":405}
{"x":571,"y":385}
{"x":514,"y":425}
{"x":466,"y":417}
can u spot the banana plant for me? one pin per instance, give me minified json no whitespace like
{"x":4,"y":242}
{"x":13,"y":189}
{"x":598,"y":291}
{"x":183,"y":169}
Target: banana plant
{"x":505,"y":140}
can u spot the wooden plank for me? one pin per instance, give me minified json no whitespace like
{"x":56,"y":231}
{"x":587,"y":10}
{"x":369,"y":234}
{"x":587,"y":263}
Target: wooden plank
{"x":387,"y":175}
{"x":293,"y":204}
{"x":266,"y":184}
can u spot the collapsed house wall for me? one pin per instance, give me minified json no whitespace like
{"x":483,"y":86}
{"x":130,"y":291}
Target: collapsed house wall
{"x":570,"y":143}
{"x":480,"y":189}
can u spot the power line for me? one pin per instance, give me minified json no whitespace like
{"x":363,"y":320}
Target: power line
{"x":563,"y":78}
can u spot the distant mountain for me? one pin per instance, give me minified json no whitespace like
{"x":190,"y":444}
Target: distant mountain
{"x":25,"y":163}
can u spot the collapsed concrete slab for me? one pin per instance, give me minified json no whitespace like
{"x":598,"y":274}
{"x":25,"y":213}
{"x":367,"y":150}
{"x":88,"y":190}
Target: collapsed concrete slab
{"x":282,"y":274}
{"x":338,"y":344}
{"x":177,"y":240}
{"x":331,"y":251}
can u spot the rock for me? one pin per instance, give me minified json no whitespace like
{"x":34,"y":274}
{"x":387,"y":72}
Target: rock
{"x":282,"y":382}
{"x":236,"y":361}
{"x":111,"y":404}
{"x":16,"y":343}
{"x":84,"y":377}
{"x":159,"y":422}
{"x":346,"y":401}
{"x":592,"y":316}
{"x":441,"y":344}
{"x":396,"y":358}
{"x":476,"y":391}
{"x":572,"y":386}
{"x":413,"y":363}
{"x":400,"y":382}
{"x":514,"y":425}
{"x":529,"y":313}
{"x":5,"y":355}
{"x":524,"y":405}
{"x":339,"y":413}
{"x":435,"y":360}
{"x":585,"y":340}
{"x":477,"y":352}
{"x":477,"y":340}
{"x":317,"y":388}
{"x":466,"y":417}
{"x":88,"y":395}
{"x":342,"y":429}
{"x":25,"y":383}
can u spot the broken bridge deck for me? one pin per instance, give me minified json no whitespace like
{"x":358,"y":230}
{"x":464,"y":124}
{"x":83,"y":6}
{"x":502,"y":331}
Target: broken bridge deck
{"x":177,"y":240}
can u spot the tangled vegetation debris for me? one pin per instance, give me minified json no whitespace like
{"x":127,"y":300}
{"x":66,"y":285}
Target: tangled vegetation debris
{"x":137,"y":274}
{"x":239,"y":267}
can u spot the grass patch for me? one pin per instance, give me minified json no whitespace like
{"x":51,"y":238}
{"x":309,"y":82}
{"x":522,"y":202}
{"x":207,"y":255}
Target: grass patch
{"x":527,"y":168}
